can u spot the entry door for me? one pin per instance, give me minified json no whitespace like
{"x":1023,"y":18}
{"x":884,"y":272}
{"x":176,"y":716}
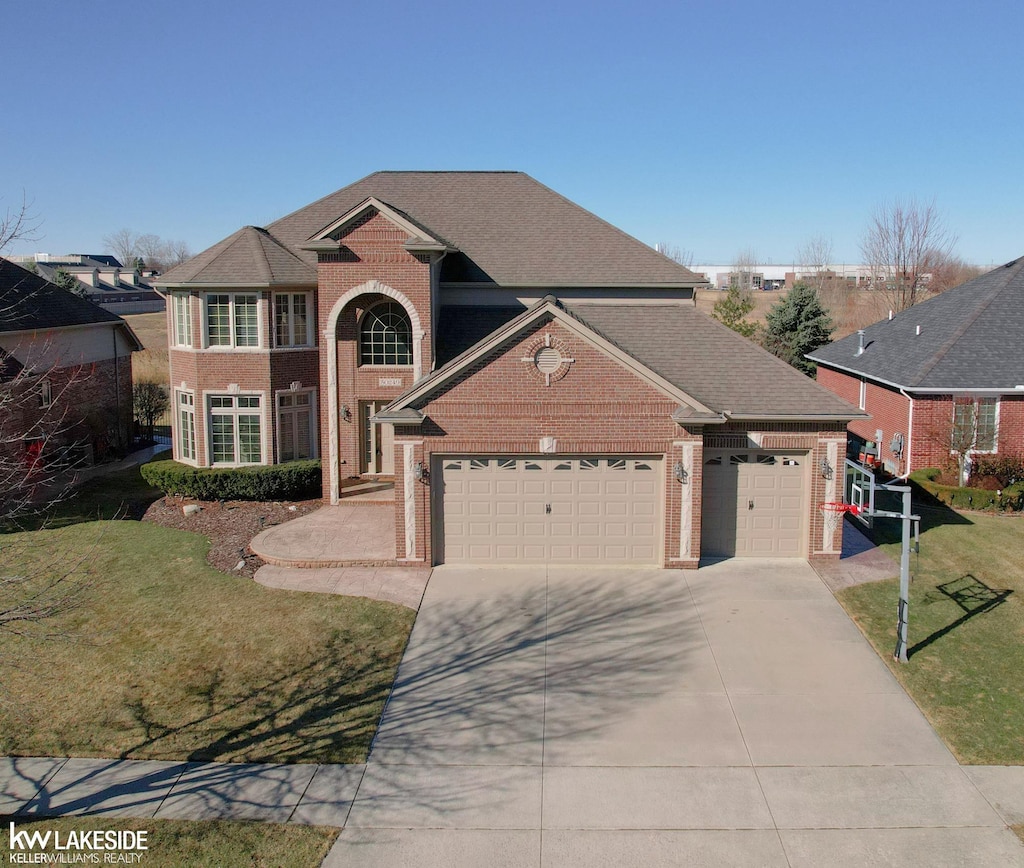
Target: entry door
{"x":590,"y":509}
{"x":754,"y":504}
{"x":378,"y":446}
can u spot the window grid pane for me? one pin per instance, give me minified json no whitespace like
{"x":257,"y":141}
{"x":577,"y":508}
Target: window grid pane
{"x":246,"y":325}
{"x":300,"y":336}
{"x":218,"y":320}
{"x":282,"y":321}
{"x":985,"y":440}
{"x":182,"y":321}
{"x":223,"y":431}
{"x":386,"y":336}
{"x":249,"y":439}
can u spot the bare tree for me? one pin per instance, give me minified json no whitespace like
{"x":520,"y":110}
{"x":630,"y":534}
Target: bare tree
{"x":814,"y":259}
{"x":153,"y":251}
{"x":18,"y":224}
{"x":675,"y":253}
{"x":905,"y":242}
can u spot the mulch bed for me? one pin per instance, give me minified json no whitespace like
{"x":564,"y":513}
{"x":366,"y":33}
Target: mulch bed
{"x":229,"y":525}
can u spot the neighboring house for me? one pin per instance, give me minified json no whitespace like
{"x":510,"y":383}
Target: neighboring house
{"x":944,"y":376}
{"x":65,"y":372}
{"x":539,"y":385}
{"x":104,"y":281}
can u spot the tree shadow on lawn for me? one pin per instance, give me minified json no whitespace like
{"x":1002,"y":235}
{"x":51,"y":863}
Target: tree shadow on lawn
{"x":971,"y":595}
{"x":471,"y":691}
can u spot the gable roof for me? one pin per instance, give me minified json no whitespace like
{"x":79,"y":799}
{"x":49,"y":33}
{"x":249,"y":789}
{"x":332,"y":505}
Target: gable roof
{"x":712,"y":371}
{"x":514,"y":230}
{"x":250,"y":257}
{"x":970,"y":338}
{"x":29,"y":302}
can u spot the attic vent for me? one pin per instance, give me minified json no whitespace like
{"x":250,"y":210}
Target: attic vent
{"x":860,"y":342}
{"x":891,"y":314}
{"x":917,"y":330}
{"x":547,"y":360}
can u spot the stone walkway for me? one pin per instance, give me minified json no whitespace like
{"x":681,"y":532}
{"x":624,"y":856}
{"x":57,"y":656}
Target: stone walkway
{"x":333,"y":536}
{"x":862,"y":561}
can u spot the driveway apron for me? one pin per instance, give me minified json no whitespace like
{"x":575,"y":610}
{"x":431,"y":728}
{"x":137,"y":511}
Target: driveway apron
{"x":599,"y":716}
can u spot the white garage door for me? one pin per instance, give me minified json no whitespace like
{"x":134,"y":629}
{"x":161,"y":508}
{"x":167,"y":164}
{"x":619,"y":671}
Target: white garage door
{"x":552,"y":510}
{"x":754,"y":504}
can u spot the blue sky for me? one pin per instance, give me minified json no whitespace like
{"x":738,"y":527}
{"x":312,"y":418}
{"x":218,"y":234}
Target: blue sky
{"x":714,"y":126}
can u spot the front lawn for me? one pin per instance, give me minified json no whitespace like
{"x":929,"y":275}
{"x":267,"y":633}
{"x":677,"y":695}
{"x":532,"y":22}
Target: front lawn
{"x":200,"y":844}
{"x":966,"y":634}
{"x":165,"y":658}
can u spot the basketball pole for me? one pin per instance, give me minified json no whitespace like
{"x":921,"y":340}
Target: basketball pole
{"x":903,"y":609}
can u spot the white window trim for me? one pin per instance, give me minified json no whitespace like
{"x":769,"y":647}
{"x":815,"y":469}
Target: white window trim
{"x":45,"y":393}
{"x":359,"y":338}
{"x":176,"y":437}
{"x":310,"y":322}
{"x":263,"y":413}
{"x":314,"y":428}
{"x":233,"y":347}
{"x":178,"y":342}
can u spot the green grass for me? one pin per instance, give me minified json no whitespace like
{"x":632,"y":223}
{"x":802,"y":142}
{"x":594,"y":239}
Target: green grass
{"x":966,"y":629}
{"x":164,"y":657}
{"x":213,"y":843}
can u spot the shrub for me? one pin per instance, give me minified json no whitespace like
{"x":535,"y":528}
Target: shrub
{"x":1010,"y":499}
{"x":1005,"y":469}
{"x":295,"y":480}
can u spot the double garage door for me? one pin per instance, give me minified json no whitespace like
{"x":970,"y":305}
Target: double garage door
{"x":588,"y":509}
{"x":755,"y":504}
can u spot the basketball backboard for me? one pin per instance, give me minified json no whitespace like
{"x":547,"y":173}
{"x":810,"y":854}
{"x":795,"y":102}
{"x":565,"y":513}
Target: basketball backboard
{"x":859,"y":490}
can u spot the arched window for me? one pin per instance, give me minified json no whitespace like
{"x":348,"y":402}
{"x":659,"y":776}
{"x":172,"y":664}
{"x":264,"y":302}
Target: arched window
{"x":385,"y":337}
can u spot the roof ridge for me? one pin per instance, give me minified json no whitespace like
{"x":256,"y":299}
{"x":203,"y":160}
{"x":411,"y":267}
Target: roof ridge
{"x":958,"y":333}
{"x":254,"y":239}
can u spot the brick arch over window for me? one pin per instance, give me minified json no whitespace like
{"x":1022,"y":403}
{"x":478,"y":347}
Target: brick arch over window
{"x":371,"y":287}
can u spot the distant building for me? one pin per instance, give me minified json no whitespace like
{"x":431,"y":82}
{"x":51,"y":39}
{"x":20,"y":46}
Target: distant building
{"x":771,"y":277}
{"x":103,"y":280}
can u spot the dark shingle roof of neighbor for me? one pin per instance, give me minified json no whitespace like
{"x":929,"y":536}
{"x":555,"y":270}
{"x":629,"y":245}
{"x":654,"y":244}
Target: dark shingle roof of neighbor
{"x":28,"y":301}
{"x":249,"y":256}
{"x":972,"y":337}
{"x":514,"y":229}
{"x":697,"y":354}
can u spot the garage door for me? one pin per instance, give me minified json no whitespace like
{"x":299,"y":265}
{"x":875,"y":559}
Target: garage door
{"x":754,"y":504}
{"x":547,"y":510}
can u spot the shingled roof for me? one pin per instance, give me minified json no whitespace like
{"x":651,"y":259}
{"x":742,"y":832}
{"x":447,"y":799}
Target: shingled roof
{"x":513,"y":229}
{"x":250,"y":257}
{"x":969,"y":337}
{"x":30,"y":302}
{"x":698,"y":355}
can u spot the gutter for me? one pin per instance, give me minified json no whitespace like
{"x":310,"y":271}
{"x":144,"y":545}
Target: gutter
{"x":924,"y":390}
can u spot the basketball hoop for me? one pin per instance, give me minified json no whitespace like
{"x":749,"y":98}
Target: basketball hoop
{"x":833,"y":511}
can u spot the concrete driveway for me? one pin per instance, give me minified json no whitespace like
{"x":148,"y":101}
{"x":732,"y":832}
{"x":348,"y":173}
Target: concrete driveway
{"x":586,"y":717}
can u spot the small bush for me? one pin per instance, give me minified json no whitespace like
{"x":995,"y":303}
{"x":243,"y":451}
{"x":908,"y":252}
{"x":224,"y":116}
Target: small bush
{"x":292,"y":481}
{"x":1010,"y":499}
{"x":1004,"y":469}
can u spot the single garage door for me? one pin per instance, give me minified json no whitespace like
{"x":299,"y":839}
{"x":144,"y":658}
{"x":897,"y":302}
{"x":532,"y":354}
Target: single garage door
{"x":591,"y":509}
{"x":754,"y":504}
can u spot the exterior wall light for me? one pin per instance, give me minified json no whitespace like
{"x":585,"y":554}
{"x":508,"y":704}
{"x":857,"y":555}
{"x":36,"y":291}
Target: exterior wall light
{"x":826,"y":469}
{"x":419,"y":472}
{"x":679,"y":472}
{"x":346,"y":413}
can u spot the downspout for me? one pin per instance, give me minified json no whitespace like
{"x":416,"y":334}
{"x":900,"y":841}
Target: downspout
{"x":117,"y":391}
{"x":909,"y":438}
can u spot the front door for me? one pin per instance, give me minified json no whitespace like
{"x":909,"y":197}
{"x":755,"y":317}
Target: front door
{"x":378,"y":441}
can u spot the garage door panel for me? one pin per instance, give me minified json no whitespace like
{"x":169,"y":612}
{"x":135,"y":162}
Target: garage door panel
{"x":576,"y":510}
{"x":754,"y":504}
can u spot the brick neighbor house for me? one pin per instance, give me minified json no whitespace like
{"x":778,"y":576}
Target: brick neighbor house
{"x":539,"y":385}
{"x":943,"y":376}
{"x":65,"y":373}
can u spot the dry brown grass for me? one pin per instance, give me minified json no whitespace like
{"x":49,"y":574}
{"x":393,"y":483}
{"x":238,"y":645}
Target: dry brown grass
{"x":851,"y":309}
{"x":152,"y":364}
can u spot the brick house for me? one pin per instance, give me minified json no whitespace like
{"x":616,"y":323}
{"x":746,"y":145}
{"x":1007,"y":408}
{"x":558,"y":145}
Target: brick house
{"x":65,"y":373}
{"x":943,"y":376}
{"x":539,"y":385}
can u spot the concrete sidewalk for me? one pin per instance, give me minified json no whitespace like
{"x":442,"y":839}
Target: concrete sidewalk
{"x":319,"y":795}
{"x":333,"y":536}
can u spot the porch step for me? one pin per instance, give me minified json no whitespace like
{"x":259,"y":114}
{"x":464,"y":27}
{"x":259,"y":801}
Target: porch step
{"x":367,"y":491}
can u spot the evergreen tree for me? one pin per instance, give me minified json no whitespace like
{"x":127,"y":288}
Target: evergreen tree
{"x":796,"y":325}
{"x":66,"y":280}
{"x":732,"y":310}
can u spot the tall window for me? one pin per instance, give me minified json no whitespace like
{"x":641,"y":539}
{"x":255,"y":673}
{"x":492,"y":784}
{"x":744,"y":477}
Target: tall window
{"x":235,"y":429}
{"x":187,"y":425}
{"x":975,"y":424}
{"x":385,"y":337}
{"x":291,"y":320}
{"x":182,"y":320}
{"x":295,"y":425}
{"x":232,"y":320}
